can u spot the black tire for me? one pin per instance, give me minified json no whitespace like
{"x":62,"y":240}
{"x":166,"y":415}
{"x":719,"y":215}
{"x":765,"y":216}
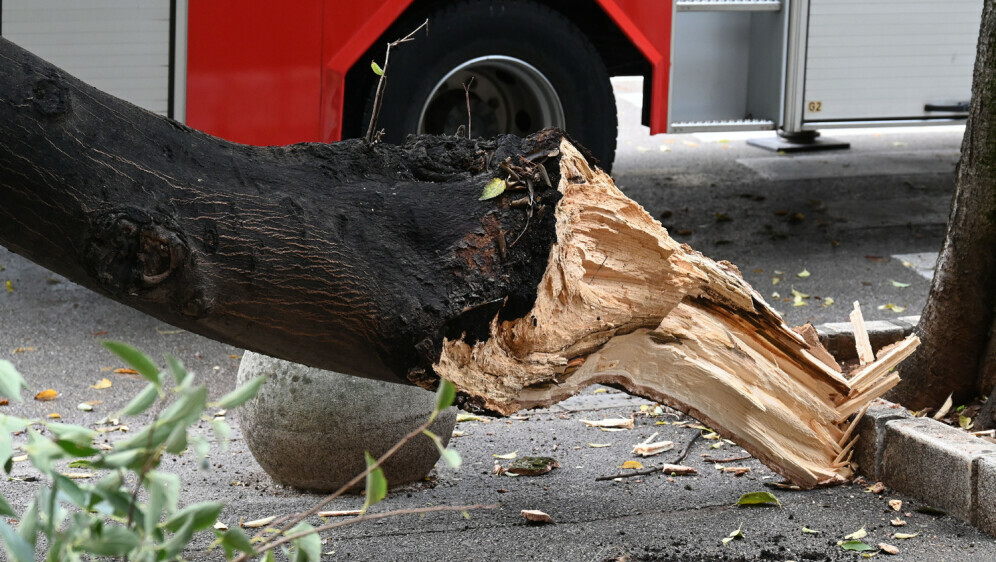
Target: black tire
{"x":534,"y":47}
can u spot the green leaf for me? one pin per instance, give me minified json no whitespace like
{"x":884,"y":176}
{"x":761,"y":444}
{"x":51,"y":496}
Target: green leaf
{"x":221,"y":432}
{"x":177,"y":440}
{"x":809,"y":531}
{"x":43,"y":452}
{"x":82,"y":436}
{"x":201,"y":449}
{"x":11,"y":382}
{"x":17,"y":548}
{"x":6,"y":452}
{"x":27,"y":528}
{"x":164,"y":493}
{"x":187,"y":409}
{"x":111,"y":540}
{"x":176,"y":368}
{"x":902,"y":536}
{"x":199,"y":515}
{"x":69,"y":491}
{"x":450,"y":456}
{"x":445,"y":395}
{"x":141,"y":402}
{"x":859,"y":534}
{"x":376,"y":68}
{"x":128,"y":458}
{"x":308,"y":547}
{"x":5,"y":509}
{"x":734,"y":535}
{"x":138,"y":360}
{"x":758,"y":498}
{"x":376,"y":483}
{"x":236,"y":539}
{"x":242,"y":394}
{"x":75,"y":450}
{"x":856,"y":546}
{"x":493,"y":189}
{"x":898,"y":284}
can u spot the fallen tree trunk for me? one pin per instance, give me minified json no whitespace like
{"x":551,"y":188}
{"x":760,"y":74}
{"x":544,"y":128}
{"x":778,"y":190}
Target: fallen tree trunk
{"x":383,"y":262}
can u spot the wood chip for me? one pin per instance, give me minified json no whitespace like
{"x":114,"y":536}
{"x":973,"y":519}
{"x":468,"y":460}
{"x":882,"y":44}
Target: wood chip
{"x":342,"y":513}
{"x":861,"y":340}
{"x":677,"y":470}
{"x":612,"y":423}
{"x":536,"y":516}
{"x":651,"y":449}
{"x":257,"y":523}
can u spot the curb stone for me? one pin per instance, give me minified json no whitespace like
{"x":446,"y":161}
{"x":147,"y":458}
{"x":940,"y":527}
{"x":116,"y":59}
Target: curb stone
{"x":942,"y":466}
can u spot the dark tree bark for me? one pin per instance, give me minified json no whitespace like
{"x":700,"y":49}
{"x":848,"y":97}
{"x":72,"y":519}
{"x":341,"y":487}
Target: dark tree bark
{"x":381,"y":261}
{"x":348,"y":257}
{"x":957,"y":324}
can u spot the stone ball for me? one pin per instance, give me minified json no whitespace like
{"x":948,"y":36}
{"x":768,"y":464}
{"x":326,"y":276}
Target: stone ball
{"x":308,"y":428}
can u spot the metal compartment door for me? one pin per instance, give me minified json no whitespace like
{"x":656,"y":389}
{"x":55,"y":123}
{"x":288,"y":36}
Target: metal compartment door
{"x":888,"y":60}
{"x":119,"y":46}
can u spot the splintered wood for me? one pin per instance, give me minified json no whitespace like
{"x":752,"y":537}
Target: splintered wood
{"x":621,"y":303}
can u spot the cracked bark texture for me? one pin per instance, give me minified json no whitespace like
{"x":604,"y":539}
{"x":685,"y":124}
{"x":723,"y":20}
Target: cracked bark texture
{"x":347,"y":257}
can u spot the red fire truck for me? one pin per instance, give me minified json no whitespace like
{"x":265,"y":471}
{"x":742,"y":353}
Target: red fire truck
{"x":268,"y":72}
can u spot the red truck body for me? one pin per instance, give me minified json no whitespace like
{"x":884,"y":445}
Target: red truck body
{"x":263,"y":72}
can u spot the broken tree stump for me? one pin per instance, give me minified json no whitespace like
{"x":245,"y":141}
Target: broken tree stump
{"x":382,"y":261}
{"x":621,"y":303}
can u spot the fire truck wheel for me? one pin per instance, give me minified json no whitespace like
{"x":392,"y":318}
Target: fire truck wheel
{"x":526,"y":68}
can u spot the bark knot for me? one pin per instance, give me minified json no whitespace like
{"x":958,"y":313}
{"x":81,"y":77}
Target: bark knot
{"x":51,"y":98}
{"x":131,"y":252}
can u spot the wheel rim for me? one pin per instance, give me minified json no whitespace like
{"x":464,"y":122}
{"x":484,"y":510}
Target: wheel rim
{"x":507,"y":95}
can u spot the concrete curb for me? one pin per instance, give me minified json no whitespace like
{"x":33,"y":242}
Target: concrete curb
{"x":931,"y":461}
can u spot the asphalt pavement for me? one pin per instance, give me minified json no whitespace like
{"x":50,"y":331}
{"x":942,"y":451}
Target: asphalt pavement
{"x":864,"y":213}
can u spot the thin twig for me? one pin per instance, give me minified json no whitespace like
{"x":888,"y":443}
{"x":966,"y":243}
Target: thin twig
{"x":688,"y":447}
{"x":294,"y":520}
{"x":730,"y":459}
{"x":466,"y":91}
{"x":382,"y":83}
{"x":529,"y":213}
{"x":681,"y":456}
{"x":361,"y":518}
{"x":643,"y":472}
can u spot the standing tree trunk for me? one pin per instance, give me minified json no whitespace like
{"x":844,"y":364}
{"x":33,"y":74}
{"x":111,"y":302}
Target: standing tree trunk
{"x":382,"y":261}
{"x":957,"y":326}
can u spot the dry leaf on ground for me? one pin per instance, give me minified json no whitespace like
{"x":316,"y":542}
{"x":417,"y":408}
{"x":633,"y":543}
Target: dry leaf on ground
{"x":888,"y":548}
{"x":102,"y":384}
{"x":46,"y":395}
